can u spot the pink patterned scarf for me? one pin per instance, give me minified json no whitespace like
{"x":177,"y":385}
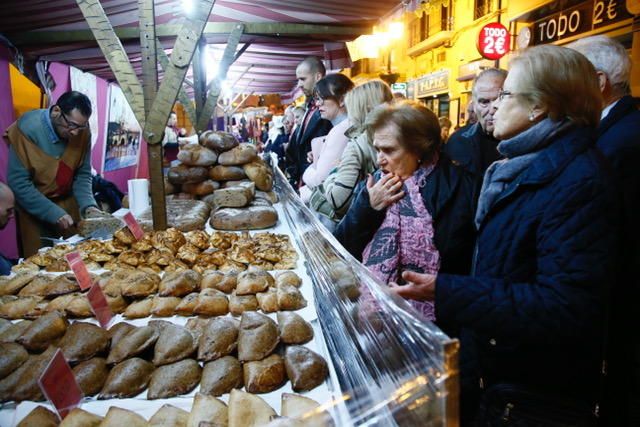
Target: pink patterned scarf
{"x":404,"y":241}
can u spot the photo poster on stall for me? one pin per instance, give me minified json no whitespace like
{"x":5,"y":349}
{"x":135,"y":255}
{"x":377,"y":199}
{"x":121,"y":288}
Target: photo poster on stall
{"x":86,"y":83}
{"x":122,"y":147}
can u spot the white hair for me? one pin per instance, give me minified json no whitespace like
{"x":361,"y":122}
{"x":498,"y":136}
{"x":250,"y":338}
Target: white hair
{"x":610,"y":57}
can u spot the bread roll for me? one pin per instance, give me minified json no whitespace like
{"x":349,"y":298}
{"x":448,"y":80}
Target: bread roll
{"x":250,"y":218}
{"x":183,"y":174}
{"x":226,"y":173}
{"x":243,"y":153}
{"x":202,"y":188}
{"x":218,"y":141}
{"x":196,"y":155}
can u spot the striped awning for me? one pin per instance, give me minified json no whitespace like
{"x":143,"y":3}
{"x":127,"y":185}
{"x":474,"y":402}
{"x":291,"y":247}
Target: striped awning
{"x":55,"y":30}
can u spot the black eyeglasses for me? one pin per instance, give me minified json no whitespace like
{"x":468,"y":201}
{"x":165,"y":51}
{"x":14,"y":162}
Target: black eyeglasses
{"x":503,"y":93}
{"x":72,"y":125}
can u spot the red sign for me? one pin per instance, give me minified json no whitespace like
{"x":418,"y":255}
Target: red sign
{"x":133,"y":225}
{"x":79,"y":269}
{"x":59,"y":385}
{"x":494,"y":41}
{"x":99,"y":305}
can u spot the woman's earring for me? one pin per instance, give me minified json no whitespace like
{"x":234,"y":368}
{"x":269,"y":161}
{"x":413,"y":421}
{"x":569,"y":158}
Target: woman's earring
{"x":531,"y":116}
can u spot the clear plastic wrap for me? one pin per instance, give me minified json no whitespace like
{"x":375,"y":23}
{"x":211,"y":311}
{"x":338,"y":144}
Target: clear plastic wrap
{"x":392,"y":367}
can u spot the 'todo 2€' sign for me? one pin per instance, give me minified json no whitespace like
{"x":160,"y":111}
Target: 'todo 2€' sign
{"x":494,"y":41}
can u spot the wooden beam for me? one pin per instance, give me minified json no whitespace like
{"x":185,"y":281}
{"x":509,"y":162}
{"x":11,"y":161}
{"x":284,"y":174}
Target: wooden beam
{"x":241,"y":51}
{"x":163,"y":58}
{"x":241,"y":103}
{"x":211,"y":29}
{"x":199,"y":67}
{"x":181,"y":56}
{"x":214,"y":87}
{"x":115,"y":55}
{"x":150,"y":85}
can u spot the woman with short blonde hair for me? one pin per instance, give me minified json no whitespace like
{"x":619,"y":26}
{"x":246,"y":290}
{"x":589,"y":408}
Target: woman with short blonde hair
{"x":364,"y":98}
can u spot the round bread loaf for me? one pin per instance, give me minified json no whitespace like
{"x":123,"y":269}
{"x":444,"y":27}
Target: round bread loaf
{"x":202,"y":188}
{"x":259,"y":173}
{"x":250,"y":218}
{"x":183,"y":174}
{"x":197,"y":155}
{"x":243,"y":153}
{"x":226,"y":173}
{"x":218,"y":141}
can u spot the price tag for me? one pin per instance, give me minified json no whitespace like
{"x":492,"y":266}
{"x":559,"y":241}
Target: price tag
{"x":59,"y":385}
{"x":133,"y":225}
{"x":79,"y":269}
{"x":99,"y":305}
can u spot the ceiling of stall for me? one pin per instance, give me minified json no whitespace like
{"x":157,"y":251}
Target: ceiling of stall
{"x":278,"y":34}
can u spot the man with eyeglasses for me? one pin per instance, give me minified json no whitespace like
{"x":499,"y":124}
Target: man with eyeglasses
{"x":50,"y":170}
{"x":474,"y":147}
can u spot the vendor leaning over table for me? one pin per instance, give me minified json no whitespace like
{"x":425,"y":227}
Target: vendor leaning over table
{"x":50,"y":171}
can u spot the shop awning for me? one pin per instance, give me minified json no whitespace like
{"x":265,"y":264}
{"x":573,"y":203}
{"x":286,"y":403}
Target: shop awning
{"x":278,"y":34}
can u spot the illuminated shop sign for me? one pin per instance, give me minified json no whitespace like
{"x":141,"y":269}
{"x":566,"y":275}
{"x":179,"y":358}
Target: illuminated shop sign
{"x":578,"y":18}
{"x":494,"y":41}
{"x":432,"y":83}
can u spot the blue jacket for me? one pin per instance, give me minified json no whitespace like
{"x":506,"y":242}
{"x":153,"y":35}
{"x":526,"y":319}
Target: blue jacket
{"x":532,"y":311}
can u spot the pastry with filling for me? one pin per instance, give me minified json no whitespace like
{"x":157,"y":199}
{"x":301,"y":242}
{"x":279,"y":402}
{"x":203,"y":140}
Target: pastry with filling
{"x":304,"y":410}
{"x":25,"y":266}
{"x":131,"y":257}
{"x":60,"y":303}
{"x":39,"y":417}
{"x":238,"y":304}
{"x":188,"y":253}
{"x":258,"y":336}
{"x":219,"y":338}
{"x":37,"y":286}
{"x":248,"y":410}
{"x":132,"y":344}
{"x":10,"y":285}
{"x":64,"y":284}
{"x":164,"y":306}
{"x":179,"y":283}
{"x":268,"y":301}
{"x":124,"y":236}
{"x":119,"y":331}
{"x":12,"y":356}
{"x":221,"y":376}
{"x":43,"y":331}
{"x":220,"y":281}
{"x":187,"y":304}
{"x":22,"y":384}
{"x":290,"y":298}
{"x":209,"y":411}
{"x":161,"y":257}
{"x":143,"y":245}
{"x":196,"y":327}
{"x":211,"y":302}
{"x":136,"y":284}
{"x":139,"y":309}
{"x":118,"y":417}
{"x":252,"y":281}
{"x":306,"y":369}
{"x":14,"y":330}
{"x":198,"y":238}
{"x":264,"y":376}
{"x":169,"y":416}
{"x":174,"y":344}
{"x":81,"y":418}
{"x":91,"y":375}
{"x":83,"y":341}
{"x":174,"y":379}
{"x":127,"y":379}
{"x":57,"y":265}
{"x":293,"y":328}
{"x":288,"y":278}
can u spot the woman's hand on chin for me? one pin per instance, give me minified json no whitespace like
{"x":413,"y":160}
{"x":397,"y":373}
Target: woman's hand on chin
{"x":385,"y":192}
{"x":419,"y":286}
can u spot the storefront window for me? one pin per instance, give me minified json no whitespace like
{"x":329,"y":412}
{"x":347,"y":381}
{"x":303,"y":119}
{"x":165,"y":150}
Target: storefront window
{"x":483,"y":7}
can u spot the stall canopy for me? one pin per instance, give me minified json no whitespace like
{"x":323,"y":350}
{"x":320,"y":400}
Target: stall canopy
{"x":277,"y":35}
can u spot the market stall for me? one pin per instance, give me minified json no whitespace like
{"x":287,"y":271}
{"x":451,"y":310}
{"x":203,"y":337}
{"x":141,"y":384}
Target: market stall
{"x":362,"y":364}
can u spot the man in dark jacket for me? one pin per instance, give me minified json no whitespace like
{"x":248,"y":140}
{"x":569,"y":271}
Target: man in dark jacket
{"x":619,"y":141}
{"x":309,"y":71}
{"x":474,"y":147}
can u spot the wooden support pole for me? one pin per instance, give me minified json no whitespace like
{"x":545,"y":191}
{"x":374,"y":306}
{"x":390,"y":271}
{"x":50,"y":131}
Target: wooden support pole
{"x":199,"y":67}
{"x":174,"y":75}
{"x":163,"y":59}
{"x":241,"y":103}
{"x":214,"y":87}
{"x":115,"y":55}
{"x":150,"y":88}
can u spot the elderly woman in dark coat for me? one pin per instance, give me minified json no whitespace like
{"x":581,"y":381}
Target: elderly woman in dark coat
{"x":532,"y":310}
{"x":416,"y":212}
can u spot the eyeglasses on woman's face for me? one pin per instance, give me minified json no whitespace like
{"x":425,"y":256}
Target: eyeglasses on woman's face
{"x":504,"y":93}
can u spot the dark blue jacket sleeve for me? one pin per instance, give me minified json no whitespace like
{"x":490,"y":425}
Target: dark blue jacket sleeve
{"x":360,"y":223}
